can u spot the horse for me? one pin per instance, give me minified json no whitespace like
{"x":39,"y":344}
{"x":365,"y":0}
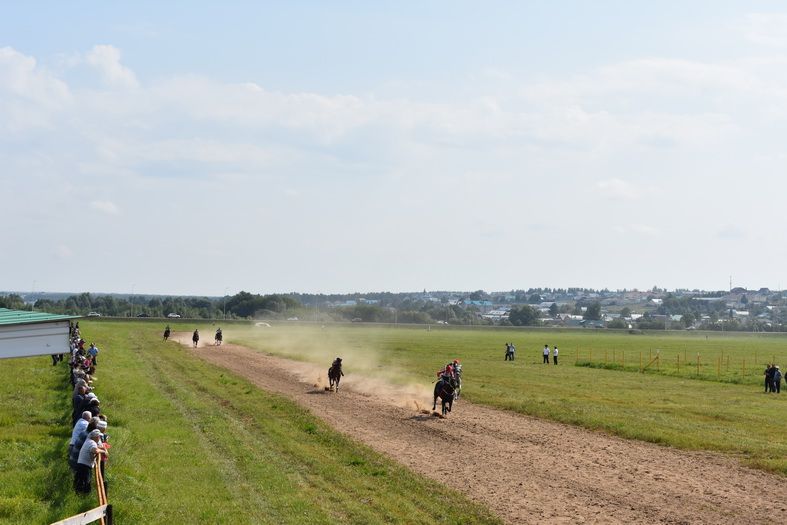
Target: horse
{"x":219,"y":338}
{"x":444,"y":389}
{"x":334,"y":375}
{"x":166,"y":333}
{"x":195,"y":338}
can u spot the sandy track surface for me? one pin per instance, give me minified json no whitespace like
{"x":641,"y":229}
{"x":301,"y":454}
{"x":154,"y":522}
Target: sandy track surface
{"x":525,"y":469}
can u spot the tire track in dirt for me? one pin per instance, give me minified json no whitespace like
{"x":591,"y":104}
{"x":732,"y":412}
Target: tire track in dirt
{"x":525,"y":469}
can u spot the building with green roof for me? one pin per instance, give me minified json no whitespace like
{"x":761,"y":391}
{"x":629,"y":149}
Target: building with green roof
{"x":24,"y":333}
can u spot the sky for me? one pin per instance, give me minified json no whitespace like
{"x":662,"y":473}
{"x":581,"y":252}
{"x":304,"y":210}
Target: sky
{"x":203,"y":148}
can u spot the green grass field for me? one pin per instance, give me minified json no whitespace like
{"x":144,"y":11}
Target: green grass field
{"x":727,"y":413}
{"x":195,"y":444}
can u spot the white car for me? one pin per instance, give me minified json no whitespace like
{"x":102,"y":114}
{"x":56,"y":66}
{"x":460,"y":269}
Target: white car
{"x":173,"y":316}
{"x":266,"y":325}
{"x":292,"y":318}
{"x":93,"y":314}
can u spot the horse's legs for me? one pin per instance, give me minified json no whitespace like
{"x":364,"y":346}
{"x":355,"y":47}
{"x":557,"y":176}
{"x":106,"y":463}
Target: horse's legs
{"x":434,"y":404}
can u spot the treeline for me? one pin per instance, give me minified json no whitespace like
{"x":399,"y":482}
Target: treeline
{"x":245,"y":305}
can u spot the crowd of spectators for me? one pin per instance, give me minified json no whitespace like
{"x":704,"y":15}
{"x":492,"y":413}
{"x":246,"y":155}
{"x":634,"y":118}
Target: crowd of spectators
{"x":89,"y":445}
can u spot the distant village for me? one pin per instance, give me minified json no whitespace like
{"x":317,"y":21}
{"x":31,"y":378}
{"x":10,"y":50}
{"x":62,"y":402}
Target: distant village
{"x":654,"y":309}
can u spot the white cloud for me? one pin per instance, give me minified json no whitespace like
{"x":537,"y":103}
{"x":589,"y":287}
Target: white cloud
{"x":618,"y":189}
{"x":106,"y":59}
{"x":638,"y":229}
{"x":108,"y":207}
{"x":769,"y":29}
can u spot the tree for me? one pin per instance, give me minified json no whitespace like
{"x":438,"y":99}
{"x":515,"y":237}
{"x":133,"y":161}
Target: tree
{"x":553,"y":309}
{"x":687,"y":319}
{"x":534,"y":299}
{"x":593,"y":313}
{"x":625,"y":312}
{"x":523,"y":316}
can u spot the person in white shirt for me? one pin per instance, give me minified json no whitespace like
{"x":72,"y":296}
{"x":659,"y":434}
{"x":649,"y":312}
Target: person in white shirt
{"x":554,"y":355}
{"x":546,"y":354}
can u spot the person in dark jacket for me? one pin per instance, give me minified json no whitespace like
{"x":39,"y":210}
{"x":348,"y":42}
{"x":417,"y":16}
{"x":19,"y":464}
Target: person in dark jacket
{"x":776,"y":386}
{"x":78,"y":401}
{"x":769,"y":378}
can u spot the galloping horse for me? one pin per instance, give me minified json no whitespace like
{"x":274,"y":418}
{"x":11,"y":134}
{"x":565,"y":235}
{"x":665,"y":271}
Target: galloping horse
{"x":444,"y":389}
{"x":335,"y":374}
{"x":219,"y":338}
{"x":166,"y":333}
{"x":195,"y":338}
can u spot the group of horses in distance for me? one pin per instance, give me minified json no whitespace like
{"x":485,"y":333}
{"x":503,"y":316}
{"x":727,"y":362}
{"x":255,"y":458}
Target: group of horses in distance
{"x":446,"y":388}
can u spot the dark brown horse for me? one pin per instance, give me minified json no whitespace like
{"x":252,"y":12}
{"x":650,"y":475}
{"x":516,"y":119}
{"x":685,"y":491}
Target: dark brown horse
{"x":335,"y":374}
{"x":444,"y":389}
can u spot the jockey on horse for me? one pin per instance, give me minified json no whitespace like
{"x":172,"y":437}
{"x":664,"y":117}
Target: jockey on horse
{"x":219,"y":337}
{"x":335,"y":373}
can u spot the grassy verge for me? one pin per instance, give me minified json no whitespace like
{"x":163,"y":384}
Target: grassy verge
{"x":680,"y":411}
{"x":195,"y":444}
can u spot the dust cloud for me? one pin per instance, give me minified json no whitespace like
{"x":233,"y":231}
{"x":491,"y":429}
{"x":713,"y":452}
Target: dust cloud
{"x":313,"y":349}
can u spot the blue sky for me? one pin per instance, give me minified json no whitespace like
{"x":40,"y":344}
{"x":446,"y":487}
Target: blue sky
{"x":193,"y":148}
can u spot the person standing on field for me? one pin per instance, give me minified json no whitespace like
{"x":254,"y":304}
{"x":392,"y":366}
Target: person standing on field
{"x":777,"y":380}
{"x":554,"y":355}
{"x":546,"y":354}
{"x":768,"y":378}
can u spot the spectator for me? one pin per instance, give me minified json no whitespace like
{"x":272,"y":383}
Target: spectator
{"x":554,"y":355}
{"x":93,"y":406}
{"x":87,"y":459}
{"x":78,"y":401}
{"x":546,"y":354}
{"x":768,"y":378}
{"x":93,"y":353}
{"x":79,"y":428}
{"x":777,"y":380}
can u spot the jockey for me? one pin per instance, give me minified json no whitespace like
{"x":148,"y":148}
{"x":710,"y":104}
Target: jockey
{"x":337,"y":362}
{"x":457,"y":369}
{"x":448,"y":370}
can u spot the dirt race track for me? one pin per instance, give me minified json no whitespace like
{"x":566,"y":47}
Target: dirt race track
{"x":526,"y":470}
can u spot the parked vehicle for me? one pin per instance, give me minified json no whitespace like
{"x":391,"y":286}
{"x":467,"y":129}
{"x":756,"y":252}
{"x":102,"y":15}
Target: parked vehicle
{"x":173,"y":315}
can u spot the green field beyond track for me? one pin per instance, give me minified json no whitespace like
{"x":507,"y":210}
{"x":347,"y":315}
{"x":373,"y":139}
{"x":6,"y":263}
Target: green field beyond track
{"x":195,"y":444}
{"x":721,"y":408}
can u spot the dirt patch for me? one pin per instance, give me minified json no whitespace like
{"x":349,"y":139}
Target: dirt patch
{"x":525,"y":469}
